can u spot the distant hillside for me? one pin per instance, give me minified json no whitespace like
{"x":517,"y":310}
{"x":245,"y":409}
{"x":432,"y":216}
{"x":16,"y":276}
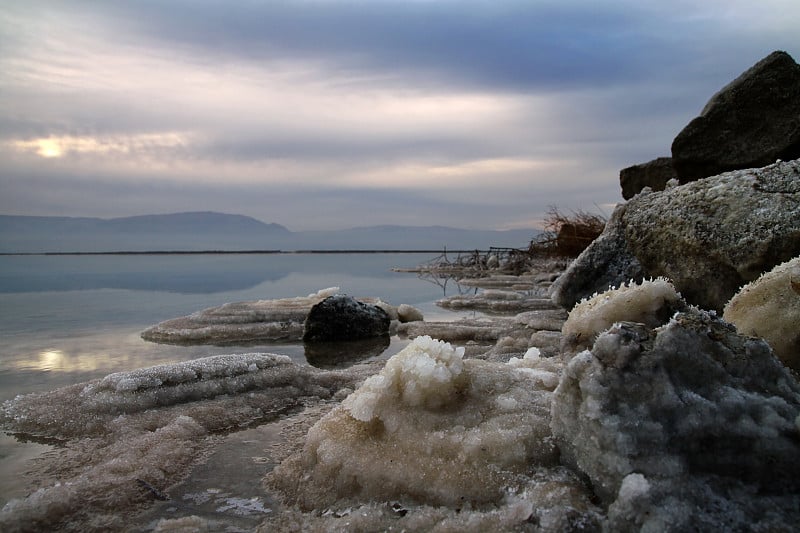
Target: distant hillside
{"x":205,"y":221}
{"x":413,"y":238}
{"x":218,"y":231}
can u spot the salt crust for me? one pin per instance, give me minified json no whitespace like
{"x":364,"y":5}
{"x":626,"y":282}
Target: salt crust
{"x":280,"y":319}
{"x":432,"y":429}
{"x":769,"y":307}
{"x":650,"y":302}
{"x":128,"y":427}
{"x":685,"y":426}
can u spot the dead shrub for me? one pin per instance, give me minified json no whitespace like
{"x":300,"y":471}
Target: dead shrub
{"x":567,"y":235}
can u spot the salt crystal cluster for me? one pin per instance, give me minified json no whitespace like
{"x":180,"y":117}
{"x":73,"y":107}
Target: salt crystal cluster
{"x":769,"y":307}
{"x":650,"y":302}
{"x":683,"y":426}
{"x":433,"y":429}
{"x":428,"y":373}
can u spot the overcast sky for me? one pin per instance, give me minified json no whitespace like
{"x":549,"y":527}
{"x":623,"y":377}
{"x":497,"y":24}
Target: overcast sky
{"x":327,"y":114}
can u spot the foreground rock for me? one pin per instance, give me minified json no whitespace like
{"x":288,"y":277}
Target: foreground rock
{"x":770,"y":308}
{"x":434,"y":430}
{"x":688,"y":426}
{"x":749,"y":123}
{"x":709,"y":237}
{"x":343,"y":318}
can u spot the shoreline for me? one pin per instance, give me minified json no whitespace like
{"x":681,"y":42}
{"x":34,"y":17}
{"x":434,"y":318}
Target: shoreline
{"x":238,"y":252}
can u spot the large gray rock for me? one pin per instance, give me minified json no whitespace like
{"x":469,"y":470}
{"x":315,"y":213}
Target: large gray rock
{"x":343,"y":318}
{"x":686,"y":427}
{"x":751,"y":122}
{"x":709,"y":237}
{"x":654,"y":174}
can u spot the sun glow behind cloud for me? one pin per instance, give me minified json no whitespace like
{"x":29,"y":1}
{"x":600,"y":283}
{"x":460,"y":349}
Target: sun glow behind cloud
{"x":61,"y":146}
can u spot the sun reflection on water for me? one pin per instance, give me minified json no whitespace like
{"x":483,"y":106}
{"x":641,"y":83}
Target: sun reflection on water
{"x":50,"y":360}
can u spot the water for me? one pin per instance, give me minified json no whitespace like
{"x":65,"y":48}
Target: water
{"x":69,"y":319}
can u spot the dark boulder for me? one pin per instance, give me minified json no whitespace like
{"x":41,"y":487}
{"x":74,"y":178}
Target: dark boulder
{"x":750,"y":123}
{"x":654,"y":174}
{"x":341,"y":317}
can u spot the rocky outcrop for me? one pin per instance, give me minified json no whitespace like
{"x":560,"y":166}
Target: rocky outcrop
{"x":709,"y":237}
{"x":688,"y":426}
{"x":343,"y":318}
{"x":749,"y":123}
{"x":770,"y":308}
{"x":654,"y":174}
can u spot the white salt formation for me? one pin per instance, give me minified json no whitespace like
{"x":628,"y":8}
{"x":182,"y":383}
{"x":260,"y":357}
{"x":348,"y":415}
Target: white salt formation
{"x":650,"y":303}
{"x":499,"y":301}
{"x":433,"y":429}
{"x":686,"y":426}
{"x":408,"y":313}
{"x":770,"y":308}
{"x":147,"y":425}
{"x":260,"y":320}
{"x":280,"y":319}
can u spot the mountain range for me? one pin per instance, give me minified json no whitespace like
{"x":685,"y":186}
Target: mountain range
{"x":206,"y":231}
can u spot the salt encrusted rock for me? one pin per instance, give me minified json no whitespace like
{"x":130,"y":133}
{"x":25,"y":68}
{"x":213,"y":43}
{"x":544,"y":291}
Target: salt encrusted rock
{"x":468,"y":329}
{"x":709,"y":237}
{"x":150,"y":424}
{"x":280,"y":319}
{"x":408,"y":313}
{"x":434,"y":430}
{"x":770,"y":308}
{"x":712,"y":236}
{"x":650,"y":303}
{"x":500,"y":301}
{"x":654,"y":174}
{"x":246,"y":322}
{"x":689,"y":426}
{"x":751,"y":122}
{"x":341,"y":317}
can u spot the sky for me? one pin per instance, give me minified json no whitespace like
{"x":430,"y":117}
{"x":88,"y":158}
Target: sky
{"x":330,"y":114}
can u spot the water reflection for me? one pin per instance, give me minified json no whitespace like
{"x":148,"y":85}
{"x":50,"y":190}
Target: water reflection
{"x":193,"y":274}
{"x":340,"y":354}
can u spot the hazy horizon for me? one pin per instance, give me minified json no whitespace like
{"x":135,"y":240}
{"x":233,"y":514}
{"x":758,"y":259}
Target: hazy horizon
{"x":266,"y":222}
{"x":343,"y":113}
{"x":205,"y":231}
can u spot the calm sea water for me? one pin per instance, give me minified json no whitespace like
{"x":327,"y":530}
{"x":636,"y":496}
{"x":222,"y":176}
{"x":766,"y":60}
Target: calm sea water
{"x":68,"y":319}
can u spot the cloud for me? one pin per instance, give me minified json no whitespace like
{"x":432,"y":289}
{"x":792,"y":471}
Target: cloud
{"x":64,"y":145}
{"x":475,"y":112}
